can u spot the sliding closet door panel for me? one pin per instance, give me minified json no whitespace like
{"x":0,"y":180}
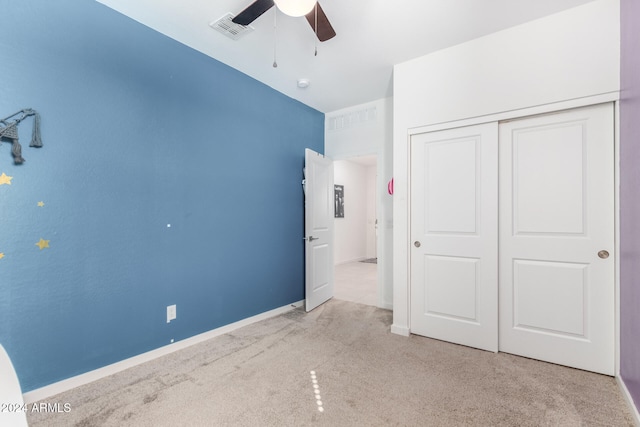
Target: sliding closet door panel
{"x":556,"y":219}
{"x":454,"y":230}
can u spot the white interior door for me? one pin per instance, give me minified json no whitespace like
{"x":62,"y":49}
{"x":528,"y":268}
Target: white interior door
{"x":319,"y":216}
{"x":454,"y":235}
{"x":556,"y":218}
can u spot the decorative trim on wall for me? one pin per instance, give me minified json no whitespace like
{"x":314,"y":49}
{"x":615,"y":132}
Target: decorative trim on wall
{"x":348,"y":120}
{"x":503,"y":116}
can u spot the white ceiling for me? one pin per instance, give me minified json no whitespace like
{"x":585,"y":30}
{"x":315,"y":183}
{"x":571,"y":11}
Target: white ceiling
{"x":354,"y":67}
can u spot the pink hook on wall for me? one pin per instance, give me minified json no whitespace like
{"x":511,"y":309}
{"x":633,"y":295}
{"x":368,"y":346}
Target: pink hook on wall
{"x":390,"y":187}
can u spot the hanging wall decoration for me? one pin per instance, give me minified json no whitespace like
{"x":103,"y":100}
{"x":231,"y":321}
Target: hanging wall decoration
{"x":9,"y":131}
{"x":338,"y":194}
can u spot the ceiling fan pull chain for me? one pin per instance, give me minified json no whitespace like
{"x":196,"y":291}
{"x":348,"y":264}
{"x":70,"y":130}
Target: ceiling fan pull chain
{"x":316,"y":29}
{"x":275,"y":36}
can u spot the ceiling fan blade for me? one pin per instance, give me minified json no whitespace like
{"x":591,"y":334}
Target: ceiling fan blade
{"x":325,"y":30}
{"x":253,"y":11}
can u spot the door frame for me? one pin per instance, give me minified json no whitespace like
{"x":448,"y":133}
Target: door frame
{"x":380,"y":240}
{"x":402,"y":212}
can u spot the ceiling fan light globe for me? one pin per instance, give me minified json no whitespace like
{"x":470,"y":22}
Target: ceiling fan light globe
{"x":295,"y":7}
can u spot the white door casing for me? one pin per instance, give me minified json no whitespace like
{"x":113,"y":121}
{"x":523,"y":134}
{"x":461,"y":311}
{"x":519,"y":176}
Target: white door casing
{"x":319,"y":217}
{"x":454,"y":235}
{"x":556,"y":214}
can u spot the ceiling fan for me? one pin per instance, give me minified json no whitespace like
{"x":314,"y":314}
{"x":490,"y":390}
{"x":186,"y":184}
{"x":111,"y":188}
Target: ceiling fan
{"x":324,"y":31}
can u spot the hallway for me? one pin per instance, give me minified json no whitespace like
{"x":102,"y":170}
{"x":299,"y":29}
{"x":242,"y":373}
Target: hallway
{"x":356,"y":282}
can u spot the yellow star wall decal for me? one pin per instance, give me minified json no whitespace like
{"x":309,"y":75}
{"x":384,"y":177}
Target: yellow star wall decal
{"x":4,"y":179}
{"x":40,"y":204}
{"x":1,"y":255}
{"x":42,"y":244}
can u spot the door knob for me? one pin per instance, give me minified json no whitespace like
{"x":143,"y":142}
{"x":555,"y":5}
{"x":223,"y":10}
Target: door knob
{"x":603,"y":254}
{"x":310,"y":238}
{"x":416,"y":244}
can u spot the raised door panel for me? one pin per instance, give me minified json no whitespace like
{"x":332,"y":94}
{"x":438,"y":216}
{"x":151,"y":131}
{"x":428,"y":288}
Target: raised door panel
{"x":451,"y":208}
{"x":549,"y":179}
{"x":451,"y":287}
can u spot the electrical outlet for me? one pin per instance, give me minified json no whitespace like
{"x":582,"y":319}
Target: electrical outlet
{"x":171,"y":312}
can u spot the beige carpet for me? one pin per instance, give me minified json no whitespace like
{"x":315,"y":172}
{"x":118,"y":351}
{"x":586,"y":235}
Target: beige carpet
{"x":261,"y":375}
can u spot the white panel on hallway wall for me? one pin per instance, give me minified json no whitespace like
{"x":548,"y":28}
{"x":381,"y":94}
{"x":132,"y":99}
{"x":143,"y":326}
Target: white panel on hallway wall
{"x":363,"y":138}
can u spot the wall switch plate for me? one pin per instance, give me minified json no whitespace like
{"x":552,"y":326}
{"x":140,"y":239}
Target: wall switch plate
{"x":171,"y":312}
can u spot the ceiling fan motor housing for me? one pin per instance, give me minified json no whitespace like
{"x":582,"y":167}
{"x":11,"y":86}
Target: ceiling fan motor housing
{"x":295,"y":7}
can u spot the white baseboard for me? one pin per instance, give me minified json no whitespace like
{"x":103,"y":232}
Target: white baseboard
{"x":400,"y":330}
{"x":82,"y":379}
{"x":386,"y":305}
{"x":629,"y":400}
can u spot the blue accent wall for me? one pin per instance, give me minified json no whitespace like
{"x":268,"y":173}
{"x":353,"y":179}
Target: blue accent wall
{"x":139,"y":132}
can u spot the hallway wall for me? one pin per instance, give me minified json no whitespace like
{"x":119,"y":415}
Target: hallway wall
{"x":373,"y":136}
{"x":350,"y":242}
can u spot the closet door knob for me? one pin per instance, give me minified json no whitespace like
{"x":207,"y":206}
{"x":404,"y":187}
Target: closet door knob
{"x":603,"y":254}
{"x":416,"y":244}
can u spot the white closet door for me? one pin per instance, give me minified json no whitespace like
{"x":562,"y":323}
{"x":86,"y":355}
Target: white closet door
{"x":557,"y":238}
{"x":454,"y":232}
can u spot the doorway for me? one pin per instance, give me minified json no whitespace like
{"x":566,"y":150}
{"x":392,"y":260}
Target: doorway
{"x":356,"y":229}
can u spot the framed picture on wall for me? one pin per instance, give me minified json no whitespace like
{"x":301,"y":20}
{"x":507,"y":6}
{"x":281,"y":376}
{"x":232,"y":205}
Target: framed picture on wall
{"x":338,"y":194}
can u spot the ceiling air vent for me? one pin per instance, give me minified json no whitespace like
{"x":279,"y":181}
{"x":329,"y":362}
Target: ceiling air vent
{"x":226,"y":26}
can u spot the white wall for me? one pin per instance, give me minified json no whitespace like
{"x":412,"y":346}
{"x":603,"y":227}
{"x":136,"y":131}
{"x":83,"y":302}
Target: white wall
{"x":350,"y":239}
{"x":359,"y":137}
{"x":548,"y":62}
{"x":355,"y":234}
{"x":564,"y":56}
